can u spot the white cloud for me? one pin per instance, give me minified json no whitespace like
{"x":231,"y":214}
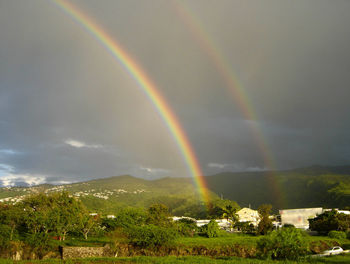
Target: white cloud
{"x":80,"y":144}
{"x":234,"y":167}
{"x":219,"y":165}
{"x":8,"y":151}
{"x":30,"y":179}
{"x":154,"y":170}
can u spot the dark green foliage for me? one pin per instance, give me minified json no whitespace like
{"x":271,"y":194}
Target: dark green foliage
{"x":265,"y":224}
{"x":286,"y":243}
{"x":245,"y":227}
{"x":337,"y":234}
{"x":211,"y":229}
{"x":330,"y":220}
{"x":151,"y":235}
{"x":5,"y":232}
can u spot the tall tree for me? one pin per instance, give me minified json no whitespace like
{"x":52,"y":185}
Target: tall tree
{"x":265,"y":224}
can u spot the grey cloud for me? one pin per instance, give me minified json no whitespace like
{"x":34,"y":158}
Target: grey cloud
{"x":57,"y":83}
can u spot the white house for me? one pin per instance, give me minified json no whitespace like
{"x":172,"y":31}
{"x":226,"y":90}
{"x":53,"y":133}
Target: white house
{"x":248,"y":215}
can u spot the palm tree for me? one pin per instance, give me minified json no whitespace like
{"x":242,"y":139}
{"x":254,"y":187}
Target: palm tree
{"x":230,"y":214}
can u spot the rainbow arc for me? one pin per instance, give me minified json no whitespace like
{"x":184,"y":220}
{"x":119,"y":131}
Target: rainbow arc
{"x":147,"y":86}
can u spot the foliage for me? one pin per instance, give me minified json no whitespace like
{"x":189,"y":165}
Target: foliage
{"x":5,"y":232}
{"x":211,"y":229}
{"x":286,"y":243}
{"x":158,"y":214}
{"x":245,"y":227}
{"x":265,"y":224}
{"x":223,"y":208}
{"x":337,"y":234}
{"x":151,"y":235}
{"x":40,"y":243}
{"x":330,"y":220}
{"x":186,"y":227}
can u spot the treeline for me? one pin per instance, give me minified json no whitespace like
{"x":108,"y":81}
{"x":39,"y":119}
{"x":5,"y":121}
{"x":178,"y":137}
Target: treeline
{"x":39,"y":219}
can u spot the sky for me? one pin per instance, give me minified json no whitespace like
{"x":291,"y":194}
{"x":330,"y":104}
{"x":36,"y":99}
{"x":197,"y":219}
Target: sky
{"x":255,"y":85}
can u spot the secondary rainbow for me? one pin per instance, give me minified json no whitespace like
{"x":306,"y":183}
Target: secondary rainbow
{"x":147,"y":86}
{"x":234,"y":86}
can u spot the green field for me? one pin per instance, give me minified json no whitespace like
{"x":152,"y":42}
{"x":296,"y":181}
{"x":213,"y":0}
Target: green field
{"x":179,"y":260}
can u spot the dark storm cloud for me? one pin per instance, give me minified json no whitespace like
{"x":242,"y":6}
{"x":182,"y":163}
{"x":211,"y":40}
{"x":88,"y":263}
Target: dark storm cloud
{"x":59,"y":85}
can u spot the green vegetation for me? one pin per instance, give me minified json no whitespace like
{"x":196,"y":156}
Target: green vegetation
{"x":265,"y":224}
{"x":341,"y":259}
{"x":286,"y":243}
{"x":327,"y":187}
{"x":330,"y":221}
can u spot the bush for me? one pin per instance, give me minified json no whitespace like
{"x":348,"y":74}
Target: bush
{"x":5,"y":232}
{"x":211,"y":229}
{"x":337,"y":234}
{"x":286,"y":243}
{"x":186,"y":227}
{"x":151,"y":235}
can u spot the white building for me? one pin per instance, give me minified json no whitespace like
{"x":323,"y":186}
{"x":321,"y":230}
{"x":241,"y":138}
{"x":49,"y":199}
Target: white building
{"x":248,"y":215}
{"x":299,"y":217}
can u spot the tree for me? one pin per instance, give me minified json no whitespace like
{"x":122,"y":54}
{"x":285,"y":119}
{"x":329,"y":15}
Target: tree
{"x":229,"y":213}
{"x":56,"y":213}
{"x":220,"y":206}
{"x":265,"y":224}
{"x":285,"y":243}
{"x":86,"y":223}
{"x":158,"y":214}
{"x":150,"y":235}
{"x":186,"y":226}
{"x":211,"y":229}
{"x":330,"y":220}
{"x":12,"y":216}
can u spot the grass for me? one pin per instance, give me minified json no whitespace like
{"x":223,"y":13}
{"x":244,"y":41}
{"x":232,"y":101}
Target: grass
{"x":227,"y":240}
{"x":341,"y":259}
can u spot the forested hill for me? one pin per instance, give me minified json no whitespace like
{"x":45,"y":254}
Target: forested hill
{"x":307,"y":187}
{"x":107,"y":195}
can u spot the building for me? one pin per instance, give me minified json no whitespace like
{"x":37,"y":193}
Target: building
{"x":248,"y":215}
{"x":299,"y":217}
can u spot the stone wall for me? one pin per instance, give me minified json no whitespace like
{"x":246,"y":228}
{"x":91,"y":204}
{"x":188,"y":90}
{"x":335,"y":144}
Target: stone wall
{"x":83,"y":252}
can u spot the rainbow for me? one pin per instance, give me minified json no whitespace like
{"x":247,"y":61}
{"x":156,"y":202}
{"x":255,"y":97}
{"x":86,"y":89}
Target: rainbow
{"x":147,"y":86}
{"x":234,"y":86}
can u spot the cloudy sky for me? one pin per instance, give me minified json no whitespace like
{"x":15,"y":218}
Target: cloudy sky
{"x":70,"y":112}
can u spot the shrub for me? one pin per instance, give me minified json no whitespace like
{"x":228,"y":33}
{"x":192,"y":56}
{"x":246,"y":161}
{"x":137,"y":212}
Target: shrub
{"x":151,"y":235}
{"x":186,"y":227}
{"x":286,"y":243}
{"x":211,"y":229}
{"x":337,"y":234}
{"x":5,"y":232}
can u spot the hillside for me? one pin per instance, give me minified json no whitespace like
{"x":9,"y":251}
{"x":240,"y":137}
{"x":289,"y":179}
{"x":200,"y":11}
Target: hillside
{"x":306,"y":187}
{"x":107,"y":195}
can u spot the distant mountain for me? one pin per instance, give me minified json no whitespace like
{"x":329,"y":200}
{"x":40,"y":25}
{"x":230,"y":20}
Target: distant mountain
{"x":314,"y":186}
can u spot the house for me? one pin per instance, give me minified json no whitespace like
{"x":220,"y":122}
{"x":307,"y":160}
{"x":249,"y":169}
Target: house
{"x":248,"y":215}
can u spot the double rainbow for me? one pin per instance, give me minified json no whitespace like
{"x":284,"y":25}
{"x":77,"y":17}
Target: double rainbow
{"x":147,"y":86}
{"x":234,"y":86}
